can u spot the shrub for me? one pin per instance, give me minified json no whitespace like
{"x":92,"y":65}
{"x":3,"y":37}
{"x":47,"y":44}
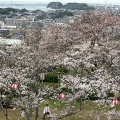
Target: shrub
{"x":11,"y":64}
{"x":117,"y":37}
{"x":93,"y":96}
{"x":2,"y":90}
{"x":33,"y":86}
{"x":51,"y":77}
{"x":118,"y":98}
{"x":110,"y":94}
{"x":62,"y":69}
{"x":67,"y":90}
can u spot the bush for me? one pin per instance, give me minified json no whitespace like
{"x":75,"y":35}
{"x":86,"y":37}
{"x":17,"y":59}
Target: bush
{"x":93,"y":96}
{"x":2,"y":90}
{"x":67,"y":90}
{"x":117,"y":37}
{"x":118,"y":98}
{"x":62,"y":69}
{"x":110,"y":94}
{"x":11,"y":64}
{"x":51,"y":77}
{"x":33,"y":86}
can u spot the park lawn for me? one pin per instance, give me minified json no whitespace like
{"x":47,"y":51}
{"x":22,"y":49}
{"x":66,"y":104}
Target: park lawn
{"x":88,"y":106}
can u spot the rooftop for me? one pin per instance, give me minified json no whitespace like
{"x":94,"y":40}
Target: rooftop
{"x":9,"y":41}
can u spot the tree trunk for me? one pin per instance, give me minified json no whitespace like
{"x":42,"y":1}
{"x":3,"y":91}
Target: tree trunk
{"x":36,"y":113}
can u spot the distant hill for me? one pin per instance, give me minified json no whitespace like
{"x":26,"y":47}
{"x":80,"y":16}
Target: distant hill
{"x":78,"y":6}
{"x":72,"y":6}
{"x":55,"y":5}
{"x":7,"y":11}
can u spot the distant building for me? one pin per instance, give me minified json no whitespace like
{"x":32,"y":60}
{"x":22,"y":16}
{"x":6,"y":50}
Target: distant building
{"x":9,"y":27}
{"x":9,"y":42}
{"x":16,"y":22}
{"x":36,"y":23}
{"x":4,"y":32}
{"x":62,"y":20}
{"x":65,"y":19}
{"x":31,"y":18}
{"x":1,"y":24}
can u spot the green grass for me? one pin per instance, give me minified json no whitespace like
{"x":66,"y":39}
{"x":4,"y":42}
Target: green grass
{"x":50,"y":84}
{"x":57,"y":106}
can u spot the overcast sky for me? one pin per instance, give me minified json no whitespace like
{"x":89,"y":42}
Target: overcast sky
{"x":63,"y":1}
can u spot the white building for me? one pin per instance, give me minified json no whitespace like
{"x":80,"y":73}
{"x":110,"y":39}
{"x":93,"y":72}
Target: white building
{"x":16,"y":22}
{"x":9,"y":42}
{"x":2,"y":24}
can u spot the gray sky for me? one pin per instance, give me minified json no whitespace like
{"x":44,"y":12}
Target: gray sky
{"x":63,"y":1}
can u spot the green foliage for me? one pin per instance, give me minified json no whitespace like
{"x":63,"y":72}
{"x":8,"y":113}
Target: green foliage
{"x":93,"y":97}
{"x":6,"y":11}
{"x":117,"y":37}
{"x":118,"y":98}
{"x":53,"y":85}
{"x":61,"y":14}
{"x":12,"y":9}
{"x":34,"y":86}
{"x":2,"y":90}
{"x":51,"y":77}
{"x":83,"y":73}
{"x":66,"y":90}
{"x":62,"y":69}
{"x":11,"y":64}
{"x":79,"y":6}
{"x":110,"y":94}
{"x":55,"y":5}
{"x":61,"y":105}
{"x":36,"y":11}
{"x":23,"y":10}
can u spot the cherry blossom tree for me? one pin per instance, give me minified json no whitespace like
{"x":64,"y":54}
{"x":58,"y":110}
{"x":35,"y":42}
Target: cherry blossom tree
{"x":88,"y":48}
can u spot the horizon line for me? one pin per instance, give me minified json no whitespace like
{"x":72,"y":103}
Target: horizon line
{"x":61,"y":2}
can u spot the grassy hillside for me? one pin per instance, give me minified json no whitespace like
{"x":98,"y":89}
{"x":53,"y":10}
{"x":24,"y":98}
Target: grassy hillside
{"x":89,"y":107}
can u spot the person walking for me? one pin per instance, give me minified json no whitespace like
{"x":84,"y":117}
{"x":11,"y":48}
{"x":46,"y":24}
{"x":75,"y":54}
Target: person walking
{"x":22,"y":113}
{"x":46,"y":111}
